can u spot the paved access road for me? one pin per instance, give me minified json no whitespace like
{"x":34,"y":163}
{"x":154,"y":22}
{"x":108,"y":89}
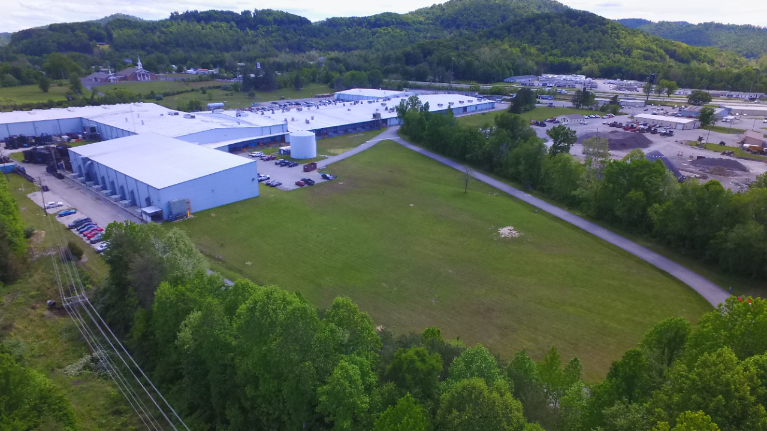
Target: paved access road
{"x":710,"y":291}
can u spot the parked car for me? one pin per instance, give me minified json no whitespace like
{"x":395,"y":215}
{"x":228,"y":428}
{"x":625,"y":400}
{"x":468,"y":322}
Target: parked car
{"x":101,"y":247}
{"x":85,"y":228}
{"x":276,"y":183}
{"x":92,"y":234}
{"x":256,"y":154}
{"x":79,"y":222}
{"x":327,"y":177}
{"x":262,"y":177}
{"x":308,"y":181}
{"x":268,"y":183}
{"x":66,"y":213}
{"x":292,"y":164}
{"x":300,"y":183}
{"x":96,"y":239}
{"x":50,"y":205}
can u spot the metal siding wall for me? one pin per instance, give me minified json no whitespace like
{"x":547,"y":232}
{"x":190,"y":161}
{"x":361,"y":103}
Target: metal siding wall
{"x":221,"y":188}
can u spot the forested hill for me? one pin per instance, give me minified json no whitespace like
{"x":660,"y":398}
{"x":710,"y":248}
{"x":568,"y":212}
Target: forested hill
{"x":480,"y":40}
{"x":747,"y":40}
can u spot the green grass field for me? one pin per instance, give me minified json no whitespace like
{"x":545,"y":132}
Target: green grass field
{"x":724,"y":129}
{"x":241,"y":100}
{"x":537,"y":114}
{"x":50,"y":340}
{"x":32,"y":94}
{"x":396,"y":233}
{"x":158,"y":86}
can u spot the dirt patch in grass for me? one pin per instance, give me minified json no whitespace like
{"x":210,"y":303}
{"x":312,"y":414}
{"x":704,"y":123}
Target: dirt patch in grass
{"x":621,"y":140}
{"x":724,"y":163}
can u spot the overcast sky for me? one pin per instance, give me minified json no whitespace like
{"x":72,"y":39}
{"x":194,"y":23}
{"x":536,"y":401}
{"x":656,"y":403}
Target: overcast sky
{"x":21,"y":14}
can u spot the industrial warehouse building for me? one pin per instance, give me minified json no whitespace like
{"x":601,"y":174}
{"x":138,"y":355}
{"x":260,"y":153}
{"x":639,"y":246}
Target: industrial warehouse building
{"x":151,"y":170}
{"x":166,"y":162}
{"x":361,"y":115}
{"x":366,"y":94}
{"x":677,"y":123}
{"x":117,"y":121}
{"x":748,"y":110}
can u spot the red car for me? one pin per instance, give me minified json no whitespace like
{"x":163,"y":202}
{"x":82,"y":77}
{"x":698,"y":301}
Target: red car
{"x":93,"y":232}
{"x":300,"y":183}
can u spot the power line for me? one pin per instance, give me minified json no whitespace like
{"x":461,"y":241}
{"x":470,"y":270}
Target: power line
{"x":72,"y":303}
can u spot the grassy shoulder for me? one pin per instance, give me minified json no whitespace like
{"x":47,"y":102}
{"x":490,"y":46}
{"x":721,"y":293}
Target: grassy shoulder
{"x":722,"y":129}
{"x":722,"y":148}
{"x":49,"y":340}
{"x":540,"y":113}
{"x":741,"y":285}
{"x":397,"y":234}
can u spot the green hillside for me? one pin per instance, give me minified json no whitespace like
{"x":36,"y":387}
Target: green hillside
{"x":471,"y":40}
{"x":747,"y":40}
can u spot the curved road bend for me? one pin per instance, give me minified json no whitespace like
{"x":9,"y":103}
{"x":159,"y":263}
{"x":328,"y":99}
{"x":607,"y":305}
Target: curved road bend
{"x":710,"y":291}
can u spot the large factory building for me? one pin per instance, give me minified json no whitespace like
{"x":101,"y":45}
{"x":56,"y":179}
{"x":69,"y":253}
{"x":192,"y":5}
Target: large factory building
{"x":151,"y":170}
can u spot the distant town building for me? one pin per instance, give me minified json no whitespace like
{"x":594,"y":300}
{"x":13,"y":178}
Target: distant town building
{"x":521,"y":79}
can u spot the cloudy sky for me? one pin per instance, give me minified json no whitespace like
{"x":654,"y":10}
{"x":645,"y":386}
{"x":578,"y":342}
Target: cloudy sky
{"x":21,"y":14}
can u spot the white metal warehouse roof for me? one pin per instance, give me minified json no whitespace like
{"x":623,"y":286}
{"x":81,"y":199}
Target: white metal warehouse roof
{"x":678,"y":120}
{"x":343,"y":113}
{"x":136,"y":117}
{"x":370,"y":92}
{"x":159,"y":161}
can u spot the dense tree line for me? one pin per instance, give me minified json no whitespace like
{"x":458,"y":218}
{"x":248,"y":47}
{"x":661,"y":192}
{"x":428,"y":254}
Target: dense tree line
{"x":703,"y":220}
{"x":248,"y":356}
{"x":478,"y":40}
{"x":28,"y":400}
{"x":13,"y":243}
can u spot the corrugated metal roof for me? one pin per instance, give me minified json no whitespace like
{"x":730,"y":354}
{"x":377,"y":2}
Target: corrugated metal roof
{"x":159,"y":161}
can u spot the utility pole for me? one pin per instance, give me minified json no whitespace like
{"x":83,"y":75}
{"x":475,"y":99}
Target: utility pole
{"x":42,"y":196}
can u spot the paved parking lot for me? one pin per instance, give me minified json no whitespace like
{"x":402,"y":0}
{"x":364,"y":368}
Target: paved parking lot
{"x":287,"y":176}
{"x":42,"y":198}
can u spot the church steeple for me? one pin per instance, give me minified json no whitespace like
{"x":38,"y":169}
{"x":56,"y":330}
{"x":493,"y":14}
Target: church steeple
{"x":139,"y":62}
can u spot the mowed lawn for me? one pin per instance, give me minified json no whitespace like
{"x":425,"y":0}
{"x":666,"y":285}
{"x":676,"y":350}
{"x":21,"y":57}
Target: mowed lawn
{"x":240,"y":99}
{"x":538,"y":114}
{"x":397,"y":234}
{"x":33,"y":93}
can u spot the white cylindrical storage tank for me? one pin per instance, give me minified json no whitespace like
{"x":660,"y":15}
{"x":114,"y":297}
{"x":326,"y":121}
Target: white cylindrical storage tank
{"x":303,"y":145}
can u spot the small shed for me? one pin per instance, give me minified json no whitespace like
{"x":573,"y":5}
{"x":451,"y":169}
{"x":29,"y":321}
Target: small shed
{"x":285,"y":151}
{"x":753,"y":138}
